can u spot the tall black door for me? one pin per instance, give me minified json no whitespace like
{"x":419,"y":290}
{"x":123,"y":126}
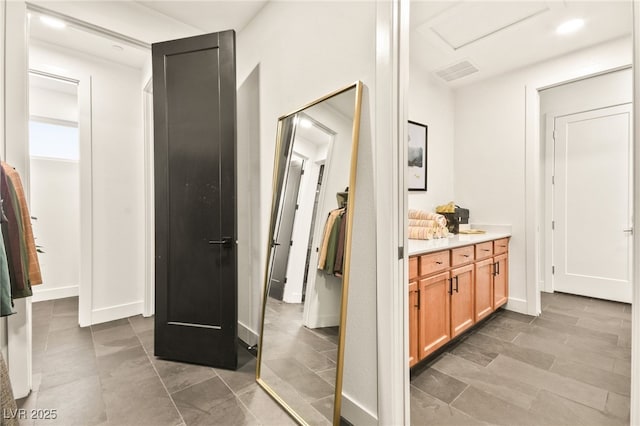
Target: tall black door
{"x":194,"y":102}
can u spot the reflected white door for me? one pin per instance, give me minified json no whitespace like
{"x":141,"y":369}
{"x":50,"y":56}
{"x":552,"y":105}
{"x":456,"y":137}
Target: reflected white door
{"x":592,"y":237}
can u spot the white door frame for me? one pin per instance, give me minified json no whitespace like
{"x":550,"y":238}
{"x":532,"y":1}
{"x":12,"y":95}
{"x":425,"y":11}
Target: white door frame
{"x":149,"y":203}
{"x":85,"y":286}
{"x":548,"y":190}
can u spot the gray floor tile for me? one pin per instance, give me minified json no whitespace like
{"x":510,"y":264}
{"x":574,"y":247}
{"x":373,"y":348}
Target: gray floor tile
{"x":244,"y":377}
{"x":325,"y":406}
{"x":142,"y":401}
{"x":76,"y":403}
{"x":308,"y":384}
{"x":527,"y":319}
{"x":507,"y":388}
{"x":607,"y":349}
{"x":558,"y":317}
{"x":427,"y":410}
{"x":439,"y":385}
{"x":530,"y":356}
{"x":68,"y":366}
{"x":113,"y":339}
{"x":474,"y":353}
{"x":573,"y":330}
{"x":485,"y":407}
{"x":329,"y":376}
{"x":69,"y":339}
{"x":564,"y":386}
{"x":177,"y":376}
{"x":622,"y":367}
{"x":553,"y":410}
{"x":107,"y":325}
{"x":498,"y":332}
{"x":62,"y":322}
{"x":141,"y":324}
{"x":212,"y":402}
{"x":594,"y":376}
{"x":618,"y":406}
{"x":263,"y":407}
{"x":560,"y":350}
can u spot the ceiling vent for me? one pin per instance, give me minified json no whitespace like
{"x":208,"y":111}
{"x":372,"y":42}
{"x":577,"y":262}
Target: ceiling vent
{"x":456,"y":71}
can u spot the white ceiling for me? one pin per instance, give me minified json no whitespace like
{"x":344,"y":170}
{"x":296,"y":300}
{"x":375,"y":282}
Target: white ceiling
{"x":497,"y":37}
{"x":209,"y":16}
{"x":146,"y":21}
{"x":493,"y":36}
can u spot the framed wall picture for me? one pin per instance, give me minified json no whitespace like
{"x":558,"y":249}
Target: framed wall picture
{"x":417,"y":157}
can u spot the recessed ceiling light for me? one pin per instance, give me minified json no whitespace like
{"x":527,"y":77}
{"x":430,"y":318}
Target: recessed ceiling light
{"x":570,"y":26}
{"x":52,"y":22}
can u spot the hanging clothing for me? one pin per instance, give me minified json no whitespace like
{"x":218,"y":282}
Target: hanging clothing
{"x":337,"y":270}
{"x":332,"y":244}
{"x":35,"y":275}
{"x":332,"y":248}
{"x":328,"y":226}
{"x":11,"y":231}
{"x":6,"y":303}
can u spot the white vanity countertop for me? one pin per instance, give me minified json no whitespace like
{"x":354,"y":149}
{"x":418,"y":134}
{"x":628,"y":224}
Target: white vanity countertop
{"x":452,"y":241}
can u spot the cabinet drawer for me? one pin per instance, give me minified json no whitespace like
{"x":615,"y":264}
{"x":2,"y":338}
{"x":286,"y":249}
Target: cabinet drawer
{"x":501,"y":246}
{"x":434,"y":262}
{"x":484,"y":250}
{"x":413,"y":267}
{"x":462,"y":255}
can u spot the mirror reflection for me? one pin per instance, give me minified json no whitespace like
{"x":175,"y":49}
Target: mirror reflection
{"x":300,"y":359}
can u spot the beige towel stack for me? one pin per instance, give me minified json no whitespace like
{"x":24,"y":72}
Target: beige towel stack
{"x":424,"y":225}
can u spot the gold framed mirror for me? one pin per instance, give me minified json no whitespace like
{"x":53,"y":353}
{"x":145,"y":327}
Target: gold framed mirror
{"x":306,"y":282}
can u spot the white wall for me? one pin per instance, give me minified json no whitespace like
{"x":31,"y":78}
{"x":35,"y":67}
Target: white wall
{"x":306,"y":50}
{"x":492,"y":146}
{"x":55,"y":201}
{"x":118,"y":177}
{"x":3,"y":321}
{"x":431,"y":102}
{"x":324,"y":291}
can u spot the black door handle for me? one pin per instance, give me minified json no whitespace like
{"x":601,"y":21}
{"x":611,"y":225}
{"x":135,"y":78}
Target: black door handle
{"x":457,"y":285}
{"x":225,"y":242}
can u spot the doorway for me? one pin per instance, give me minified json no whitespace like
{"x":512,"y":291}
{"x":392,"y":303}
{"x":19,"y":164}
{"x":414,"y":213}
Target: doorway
{"x":587,"y":125}
{"x":54,"y":154}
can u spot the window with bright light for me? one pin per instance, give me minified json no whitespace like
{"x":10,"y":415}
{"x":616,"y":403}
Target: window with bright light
{"x":51,"y":140}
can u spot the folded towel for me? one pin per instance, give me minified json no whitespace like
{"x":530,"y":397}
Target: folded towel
{"x":447,"y":208}
{"x":425,"y":215}
{"x":420,"y":233}
{"x":427,"y":223}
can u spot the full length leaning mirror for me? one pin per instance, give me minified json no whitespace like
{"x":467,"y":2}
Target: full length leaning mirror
{"x":301,"y":349}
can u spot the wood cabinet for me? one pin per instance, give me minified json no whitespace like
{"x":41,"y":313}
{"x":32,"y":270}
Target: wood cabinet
{"x":484,"y":288}
{"x":450,"y":290}
{"x":414,"y":305}
{"x":434,"y":323}
{"x":500,"y":280}
{"x":462,"y":299}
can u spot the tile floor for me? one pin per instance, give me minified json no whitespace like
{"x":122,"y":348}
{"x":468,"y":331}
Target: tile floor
{"x":570,"y":366}
{"x":300,"y":363}
{"x":107,"y":375}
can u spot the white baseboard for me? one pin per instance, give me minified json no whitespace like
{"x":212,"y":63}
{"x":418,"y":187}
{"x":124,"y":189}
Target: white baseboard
{"x":112,"y":313}
{"x":247,"y":335}
{"x":517,"y":305}
{"x":41,"y":294}
{"x":355,"y":413}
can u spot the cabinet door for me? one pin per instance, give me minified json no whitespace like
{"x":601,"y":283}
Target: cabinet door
{"x":414,"y":310}
{"x":500,"y":280}
{"x":462,"y":300}
{"x":484,"y":289}
{"x":434,"y":323}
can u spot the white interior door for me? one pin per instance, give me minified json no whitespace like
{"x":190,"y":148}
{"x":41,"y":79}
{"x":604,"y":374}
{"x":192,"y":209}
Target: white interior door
{"x":592,"y":237}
